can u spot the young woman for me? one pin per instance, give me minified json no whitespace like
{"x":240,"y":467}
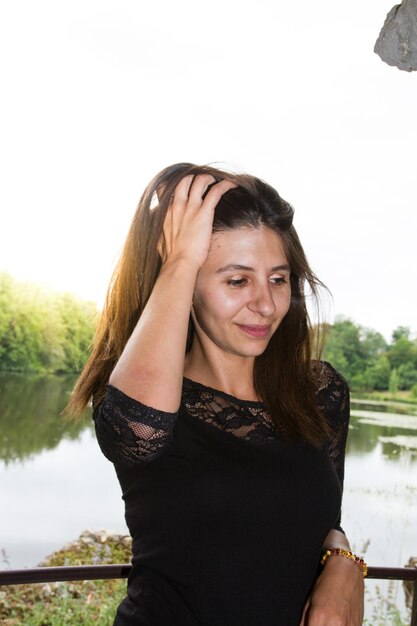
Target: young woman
{"x":227,"y":439}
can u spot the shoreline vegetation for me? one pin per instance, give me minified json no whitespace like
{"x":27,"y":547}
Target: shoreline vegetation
{"x":87,"y":603}
{"x":44,"y":332}
{"x":381,"y":397}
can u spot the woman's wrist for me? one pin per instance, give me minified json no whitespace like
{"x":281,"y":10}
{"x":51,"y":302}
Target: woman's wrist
{"x":344,"y":553}
{"x":180,"y":264}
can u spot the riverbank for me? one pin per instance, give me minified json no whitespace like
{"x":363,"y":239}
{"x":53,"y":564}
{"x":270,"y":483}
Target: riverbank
{"x":403,"y":397}
{"x":86,"y":603}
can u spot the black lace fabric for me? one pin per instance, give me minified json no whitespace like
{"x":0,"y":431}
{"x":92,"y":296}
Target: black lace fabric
{"x":130,"y":432}
{"x":333,"y":400}
{"x":241,"y":418}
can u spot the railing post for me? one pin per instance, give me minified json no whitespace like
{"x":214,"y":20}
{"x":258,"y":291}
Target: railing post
{"x":414,"y":605}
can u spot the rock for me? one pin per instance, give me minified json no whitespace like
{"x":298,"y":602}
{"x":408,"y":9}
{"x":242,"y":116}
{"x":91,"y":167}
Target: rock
{"x":397,"y":41}
{"x":87,"y":539}
{"x":95,"y":547}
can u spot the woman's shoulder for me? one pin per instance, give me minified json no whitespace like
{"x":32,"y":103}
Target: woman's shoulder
{"x":327,"y":378}
{"x":332,"y":393}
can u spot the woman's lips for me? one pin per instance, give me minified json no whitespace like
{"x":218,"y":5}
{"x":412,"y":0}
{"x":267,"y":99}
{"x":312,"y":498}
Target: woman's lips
{"x":255,"y":331}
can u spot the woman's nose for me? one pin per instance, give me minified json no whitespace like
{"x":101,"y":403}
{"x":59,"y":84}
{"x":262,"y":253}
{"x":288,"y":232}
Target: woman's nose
{"x":262,"y":301}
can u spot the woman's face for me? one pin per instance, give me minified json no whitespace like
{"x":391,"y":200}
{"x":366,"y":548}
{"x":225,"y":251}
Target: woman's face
{"x":242,"y":292}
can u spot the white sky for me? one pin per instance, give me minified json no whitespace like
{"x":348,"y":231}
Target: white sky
{"x":97,"y":96}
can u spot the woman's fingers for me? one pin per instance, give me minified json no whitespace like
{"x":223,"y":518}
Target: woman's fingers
{"x":182,"y":190}
{"x":198,"y":188}
{"x":217,"y":191}
{"x":191,"y":190}
{"x":188,"y":223}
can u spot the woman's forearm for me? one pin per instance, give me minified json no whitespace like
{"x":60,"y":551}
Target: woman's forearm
{"x":338,"y":594}
{"x":151,"y":366}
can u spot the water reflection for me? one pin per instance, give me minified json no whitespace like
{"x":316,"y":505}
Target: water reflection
{"x":30,"y":410}
{"x":396,"y":433}
{"x":30,"y":420}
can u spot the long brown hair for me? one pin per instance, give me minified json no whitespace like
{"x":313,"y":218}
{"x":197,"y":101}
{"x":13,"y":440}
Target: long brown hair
{"x":283,"y":374}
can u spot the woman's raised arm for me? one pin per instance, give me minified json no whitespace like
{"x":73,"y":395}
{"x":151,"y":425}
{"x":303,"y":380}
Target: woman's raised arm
{"x":151,"y":366}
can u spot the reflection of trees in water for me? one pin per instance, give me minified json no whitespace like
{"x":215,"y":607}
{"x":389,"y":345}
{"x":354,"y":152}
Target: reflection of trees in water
{"x":395,"y":450}
{"x":30,"y":419}
{"x":364,"y":438}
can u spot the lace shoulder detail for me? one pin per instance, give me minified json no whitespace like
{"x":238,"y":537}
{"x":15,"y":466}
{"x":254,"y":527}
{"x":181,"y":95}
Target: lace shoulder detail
{"x":334,"y":402}
{"x":129,"y":432}
{"x":242,"y":418}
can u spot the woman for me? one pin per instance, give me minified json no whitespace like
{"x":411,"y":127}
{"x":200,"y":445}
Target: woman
{"x":228,"y":441}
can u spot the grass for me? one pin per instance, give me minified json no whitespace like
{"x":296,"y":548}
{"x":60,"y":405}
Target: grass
{"x":384,"y":611}
{"x":84,"y":603}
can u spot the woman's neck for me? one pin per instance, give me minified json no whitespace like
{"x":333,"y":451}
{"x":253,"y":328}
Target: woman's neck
{"x":226,"y":372}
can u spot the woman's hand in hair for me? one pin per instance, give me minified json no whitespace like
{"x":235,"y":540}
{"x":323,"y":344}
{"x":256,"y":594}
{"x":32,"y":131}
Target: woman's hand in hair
{"x":189,"y":220}
{"x":337,"y":597}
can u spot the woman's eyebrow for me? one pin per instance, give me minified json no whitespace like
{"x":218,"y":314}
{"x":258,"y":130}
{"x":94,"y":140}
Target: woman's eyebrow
{"x":246,"y":268}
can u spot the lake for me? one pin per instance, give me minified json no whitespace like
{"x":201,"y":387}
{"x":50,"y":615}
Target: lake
{"x":55,"y":483}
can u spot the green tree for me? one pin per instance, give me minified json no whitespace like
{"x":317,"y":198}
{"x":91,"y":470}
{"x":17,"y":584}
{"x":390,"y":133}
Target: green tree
{"x":355,"y":351}
{"x":401,"y":332}
{"x":366,"y":360}
{"x":377,"y":375}
{"x":343,"y":348}
{"x":402,"y":350}
{"x":78,"y":322}
{"x":407,"y":375}
{"x":394,"y":382}
{"x":373,"y":344}
{"x":42,"y":331}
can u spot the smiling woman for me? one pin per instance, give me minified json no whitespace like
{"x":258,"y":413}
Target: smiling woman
{"x":216,"y":419}
{"x":237,"y":307}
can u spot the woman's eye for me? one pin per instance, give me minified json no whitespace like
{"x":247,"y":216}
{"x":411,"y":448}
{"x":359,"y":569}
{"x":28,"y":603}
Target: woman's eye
{"x":236,"y":282}
{"x":278,"y":280}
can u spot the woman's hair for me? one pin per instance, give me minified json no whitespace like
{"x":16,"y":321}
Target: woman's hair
{"x":284,"y":377}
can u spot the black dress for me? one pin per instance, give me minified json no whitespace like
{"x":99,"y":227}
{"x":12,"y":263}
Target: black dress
{"x":227,"y":519}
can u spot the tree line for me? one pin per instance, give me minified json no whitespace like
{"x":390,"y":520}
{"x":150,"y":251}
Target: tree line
{"x":47,"y":332}
{"x":368,"y":361}
{"x":43,"y":331}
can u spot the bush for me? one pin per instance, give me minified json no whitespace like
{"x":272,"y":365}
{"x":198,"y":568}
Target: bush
{"x":87,"y":603}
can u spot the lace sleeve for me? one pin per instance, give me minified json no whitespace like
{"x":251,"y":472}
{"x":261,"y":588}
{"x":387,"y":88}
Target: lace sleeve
{"x":333,"y":399}
{"x":128,"y":432}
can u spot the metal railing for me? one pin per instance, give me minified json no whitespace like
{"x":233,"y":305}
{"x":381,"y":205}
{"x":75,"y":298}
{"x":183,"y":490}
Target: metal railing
{"x":105,"y":572}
